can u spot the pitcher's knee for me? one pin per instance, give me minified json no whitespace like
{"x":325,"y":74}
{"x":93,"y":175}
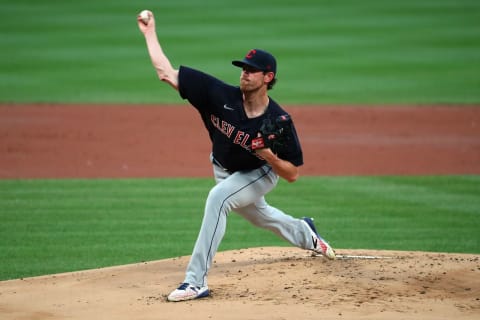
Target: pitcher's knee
{"x":218,"y":199}
{"x":216,"y":194}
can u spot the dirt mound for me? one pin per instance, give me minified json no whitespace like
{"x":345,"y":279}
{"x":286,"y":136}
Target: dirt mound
{"x":262,"y":283}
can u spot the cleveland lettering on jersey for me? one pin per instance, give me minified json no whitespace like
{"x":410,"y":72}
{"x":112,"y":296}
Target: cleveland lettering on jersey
{"x":222,"y":125}
{"x":241,"y":138}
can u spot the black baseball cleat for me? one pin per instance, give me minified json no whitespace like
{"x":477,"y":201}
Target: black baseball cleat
{"x":319,"y":245}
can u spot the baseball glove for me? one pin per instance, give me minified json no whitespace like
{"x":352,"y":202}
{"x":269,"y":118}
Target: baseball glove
{"x":273,"y":134}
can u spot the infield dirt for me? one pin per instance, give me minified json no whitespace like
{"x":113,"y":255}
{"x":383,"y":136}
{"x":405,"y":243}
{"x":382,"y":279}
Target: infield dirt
{"x":50,"y":141}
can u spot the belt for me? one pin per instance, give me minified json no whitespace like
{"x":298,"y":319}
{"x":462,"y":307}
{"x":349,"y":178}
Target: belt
{"x":215,"y":162}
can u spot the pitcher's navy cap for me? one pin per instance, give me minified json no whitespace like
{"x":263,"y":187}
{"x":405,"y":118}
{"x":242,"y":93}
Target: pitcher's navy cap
{"x":258,"y":59}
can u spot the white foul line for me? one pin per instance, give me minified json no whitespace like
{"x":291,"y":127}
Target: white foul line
{"x":346,"y":257}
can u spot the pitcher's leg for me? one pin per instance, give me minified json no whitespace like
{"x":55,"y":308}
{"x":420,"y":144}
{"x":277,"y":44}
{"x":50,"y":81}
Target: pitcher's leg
{"x":299,"y":232}
{"x":237,"y":190}
{"x":211,"y":233}
{"x":287,"y":227}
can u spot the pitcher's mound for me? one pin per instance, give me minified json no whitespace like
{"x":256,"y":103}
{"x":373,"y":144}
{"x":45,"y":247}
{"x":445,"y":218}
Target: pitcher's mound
{"x":262,"y":283}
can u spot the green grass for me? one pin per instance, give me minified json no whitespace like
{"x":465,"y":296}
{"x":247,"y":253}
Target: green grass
{"x":350,"y":51}
{"x":50,"y":226}
{"x":344,"y":52}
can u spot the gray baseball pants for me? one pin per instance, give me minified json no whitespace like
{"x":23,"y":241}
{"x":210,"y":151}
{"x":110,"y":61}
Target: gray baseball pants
{"x":242,"y":192}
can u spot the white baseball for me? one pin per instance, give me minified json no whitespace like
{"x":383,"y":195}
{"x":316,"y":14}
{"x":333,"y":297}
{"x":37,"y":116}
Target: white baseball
{"x":145,"y":16}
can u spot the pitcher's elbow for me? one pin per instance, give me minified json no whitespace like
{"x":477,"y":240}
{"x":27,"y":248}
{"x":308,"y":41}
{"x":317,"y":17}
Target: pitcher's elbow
{"x":293,"y":178}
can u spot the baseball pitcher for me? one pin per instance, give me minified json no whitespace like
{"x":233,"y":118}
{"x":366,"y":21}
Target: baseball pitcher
{"x":254,"y":142}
